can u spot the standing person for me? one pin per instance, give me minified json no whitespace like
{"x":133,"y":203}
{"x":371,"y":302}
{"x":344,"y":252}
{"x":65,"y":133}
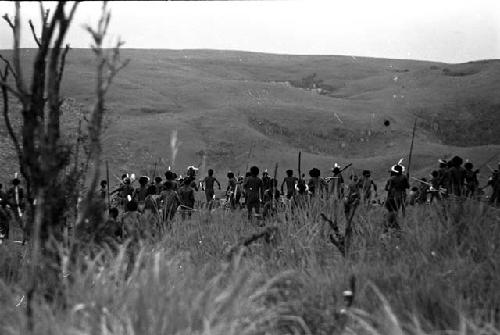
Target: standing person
{"x":471,"y":181}
{"x":494,"y":182}
{"x":456,"y":177}
{"x":158,"y":185}
{"x":103,"y":191}
{"x":367,"y":184}
{"x":132,"y":231}
{"x":336,"y":183}
{"x":124,"y":191}
{"x":434,"y":193}
{"x":443,"y":177}
{"x":170,"y":176}
{"x":4,"y":217}
{"x":290,"y":182}
{"x":254,"y":191}
{"x":208,"y":185}
{"x":3,"y":195}
{"x":170,"y":201}
{"x":231,"y":189}
{"x":15,"y":198}
{"x":141,"y":192}
{"x":396,"y":194}
{"x":270,"y":201}
{"x":191,"y":174}
{"x":186,"y":195}
{"x":266,"y":181}
{"x":353,"y":197}
{"x":316,"y":184}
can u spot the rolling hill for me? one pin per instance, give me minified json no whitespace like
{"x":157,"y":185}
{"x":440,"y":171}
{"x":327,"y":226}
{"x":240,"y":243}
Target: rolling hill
{"x":332,"y":108}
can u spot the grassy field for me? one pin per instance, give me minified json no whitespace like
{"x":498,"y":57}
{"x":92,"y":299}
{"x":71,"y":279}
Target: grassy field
{"x":439,"y":276}
{"x":224,"y":102}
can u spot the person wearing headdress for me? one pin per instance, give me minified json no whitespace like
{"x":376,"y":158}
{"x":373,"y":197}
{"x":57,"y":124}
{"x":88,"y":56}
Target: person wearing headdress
{"x":396,"y":194}
{"x":336,"y":183}
{"x":253,"y":191}
{"x":186,"y":195}
{"x":367,"y":184}
{"x":471,"y":181}
{"x":191,"y":174}
{"x":124,"y":190}
{"x":290,"y":180}
{"x":208,"y":185}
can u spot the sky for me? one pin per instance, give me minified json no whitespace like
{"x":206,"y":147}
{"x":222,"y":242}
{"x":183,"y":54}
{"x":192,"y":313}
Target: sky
{"x":450,"y":31}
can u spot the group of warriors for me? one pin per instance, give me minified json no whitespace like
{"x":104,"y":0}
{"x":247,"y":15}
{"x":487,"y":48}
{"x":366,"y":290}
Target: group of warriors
{"x":164,"y":199}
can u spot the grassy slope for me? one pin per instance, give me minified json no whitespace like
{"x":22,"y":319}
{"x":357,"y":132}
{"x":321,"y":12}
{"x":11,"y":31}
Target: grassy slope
{"x":221,"y":101}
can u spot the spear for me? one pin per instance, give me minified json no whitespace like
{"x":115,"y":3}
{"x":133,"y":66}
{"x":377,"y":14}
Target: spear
{"x":489,"y":160}
{"x":107,"y":183}
{"x":411,"y":147}
{"x":273,"y":202}
{"x":300,"y":160}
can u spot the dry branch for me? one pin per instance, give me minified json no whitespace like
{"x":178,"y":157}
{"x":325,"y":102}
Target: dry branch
{"x":269,"y":235}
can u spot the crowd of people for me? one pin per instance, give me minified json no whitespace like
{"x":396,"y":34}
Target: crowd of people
{"x":261,"y":195}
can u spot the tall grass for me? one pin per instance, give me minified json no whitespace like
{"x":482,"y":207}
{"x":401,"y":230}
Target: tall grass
{"x":439,"y":275}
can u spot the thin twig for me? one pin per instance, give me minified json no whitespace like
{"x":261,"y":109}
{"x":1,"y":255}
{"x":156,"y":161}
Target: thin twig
{"x":37,"y":40}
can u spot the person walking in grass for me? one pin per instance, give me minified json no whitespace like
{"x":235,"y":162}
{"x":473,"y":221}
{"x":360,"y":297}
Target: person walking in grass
{"x":367,"y":185}
{"x":186,"y":196}
{"x":471,"y":181}
{"x":336,"y":183}
{"x":290,"y":180}
{"x":208,"y":185}
{"x":494,"y":182}
{"x":353,"y":197}
{"x":253,"y":191}
{"x":170,"y":201}
{"x":316,"y":184}
{"x":396,"y":195}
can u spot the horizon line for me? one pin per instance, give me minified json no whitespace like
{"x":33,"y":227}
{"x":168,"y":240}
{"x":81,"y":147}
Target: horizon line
{"x":277,"y":54}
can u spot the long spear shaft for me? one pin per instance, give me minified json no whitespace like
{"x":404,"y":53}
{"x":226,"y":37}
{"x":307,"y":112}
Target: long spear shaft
{"x":107,"y":183}
{"x":300,"y":160}
{"x":411,"y":147}
{"x":273,"y":201}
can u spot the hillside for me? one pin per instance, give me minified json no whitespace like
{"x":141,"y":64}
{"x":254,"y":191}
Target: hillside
{"x":224,"y":102}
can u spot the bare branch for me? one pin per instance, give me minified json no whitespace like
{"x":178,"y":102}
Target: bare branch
{"x":12,"y":90}
{"x":17,"y":50}
{"x":7,"y":18}
{"x":6,"y":117}
{"x":32,"y":27}
{"x":9,"y":67}
{"x":63,"y":63}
